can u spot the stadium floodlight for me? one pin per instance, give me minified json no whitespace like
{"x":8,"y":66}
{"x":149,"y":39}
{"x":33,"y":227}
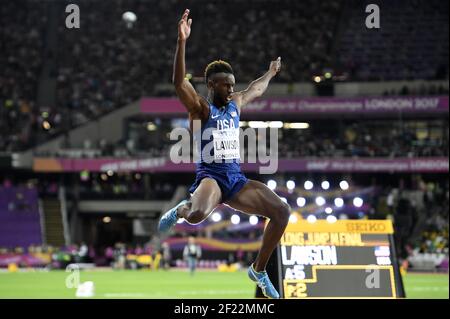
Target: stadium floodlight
{"x":301,"y":201}
{"x":296,"y":125}
{"x":235,"y":219}
{"x":253,"y":220}
{"x":151,"y":126}
{"x":331,"y":219}
{"x":328,"y":210}
{"x":129,"y":16}
{"x":358,"y":201}
{"x":311,"y":219}
{"x":293,"y":219}
{"x":258,"y":124}
{"x":308,"y":185}
{"x":216,"y":217}
{"x":46,"y":125}
{"x":325,"y":185}
{"x":276,"y":124}
{"x":272,"y":184}
{"x":320,"y":201}
{"x":290,"y":185}
{"x":339,"y":202}
{"x":343,"y":185}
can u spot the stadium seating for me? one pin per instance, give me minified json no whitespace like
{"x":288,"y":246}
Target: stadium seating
{"x":84,"y":73}
{"x":412,"y":42}
{"x":19,"y":217}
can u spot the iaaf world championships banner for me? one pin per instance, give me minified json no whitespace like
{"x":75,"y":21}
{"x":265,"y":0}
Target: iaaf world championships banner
{"x":164,"y":165}
{"x":368,"y":105}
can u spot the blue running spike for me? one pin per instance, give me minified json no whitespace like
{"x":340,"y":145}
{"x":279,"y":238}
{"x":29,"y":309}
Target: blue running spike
{"x":262,"y":280}
{"x":169,"y":219}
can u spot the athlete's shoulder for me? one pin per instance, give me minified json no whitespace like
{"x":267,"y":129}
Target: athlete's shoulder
{"x":206,"y":108}
{"x":233,"y":106}
{"x":237,"y":98}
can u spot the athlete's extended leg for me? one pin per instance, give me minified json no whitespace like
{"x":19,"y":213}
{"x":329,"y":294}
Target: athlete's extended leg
{"x":205,"y":198}
{"x":257,"y":198}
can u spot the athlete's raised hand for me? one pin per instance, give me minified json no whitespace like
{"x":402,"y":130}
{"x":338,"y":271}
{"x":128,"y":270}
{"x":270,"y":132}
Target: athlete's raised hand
{"x":275,"y":66}
{"x":184,"y":26}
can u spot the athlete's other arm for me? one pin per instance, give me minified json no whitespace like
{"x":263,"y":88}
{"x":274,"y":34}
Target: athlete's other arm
{"x":184,"y":89}
{"x":258,"y":86}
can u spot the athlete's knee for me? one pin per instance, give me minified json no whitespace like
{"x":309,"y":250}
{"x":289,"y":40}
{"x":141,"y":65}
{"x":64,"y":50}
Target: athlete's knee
{"x":195,"y":216}
{"x":283,"y":213}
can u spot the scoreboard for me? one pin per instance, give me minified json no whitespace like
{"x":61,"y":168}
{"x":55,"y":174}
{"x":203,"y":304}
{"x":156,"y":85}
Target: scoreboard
{"x":344,"y":259}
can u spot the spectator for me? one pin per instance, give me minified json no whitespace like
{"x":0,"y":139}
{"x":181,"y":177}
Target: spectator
{"x":166,"y":255}
{"x":192,"y":253}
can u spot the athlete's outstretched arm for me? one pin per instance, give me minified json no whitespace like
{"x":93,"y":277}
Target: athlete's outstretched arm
{"x":258,"y":86}
{"x":183,"y":87}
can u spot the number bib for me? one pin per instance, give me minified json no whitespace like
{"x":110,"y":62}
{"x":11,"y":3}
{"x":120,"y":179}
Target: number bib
{"x":226,"y":144}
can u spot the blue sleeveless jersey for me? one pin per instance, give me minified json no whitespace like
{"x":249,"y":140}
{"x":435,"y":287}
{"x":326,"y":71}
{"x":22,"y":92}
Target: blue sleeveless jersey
{"x":218,"y":147}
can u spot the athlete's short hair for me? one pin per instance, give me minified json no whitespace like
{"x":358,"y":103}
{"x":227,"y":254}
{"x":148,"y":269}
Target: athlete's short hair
{"x":217,"y":66}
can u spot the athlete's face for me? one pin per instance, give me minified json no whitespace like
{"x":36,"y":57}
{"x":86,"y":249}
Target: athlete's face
{"x":223,"y":87}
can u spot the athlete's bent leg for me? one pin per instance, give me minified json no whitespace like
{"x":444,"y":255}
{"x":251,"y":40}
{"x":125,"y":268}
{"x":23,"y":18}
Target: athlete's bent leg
{"x":205,"y":198}
{"x":203,"y":201}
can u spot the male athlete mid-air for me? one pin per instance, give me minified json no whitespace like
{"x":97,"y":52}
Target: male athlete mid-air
{"x":221,"y":180}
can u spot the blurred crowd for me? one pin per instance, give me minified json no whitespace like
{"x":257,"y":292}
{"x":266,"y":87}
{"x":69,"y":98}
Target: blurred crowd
{"x":362,"y":139}
{"x":100,"y":67}
{"x":418,"y":208}
{"x":46,"y":256}
{"x":422,"y":90}
{"x":151,"y":255}
{"x":326,"y":139}
{"x":22,"y":43}
{"x":421,"y":224}
{"x":410,"y":43}
{"x":124,"y":186}
{"x":434,"y":242}
{"x":430,"y":252}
